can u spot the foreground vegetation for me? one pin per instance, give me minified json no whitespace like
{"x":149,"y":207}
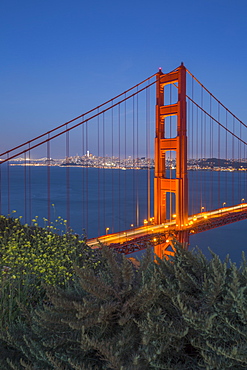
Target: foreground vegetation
{"x":64,"y":306}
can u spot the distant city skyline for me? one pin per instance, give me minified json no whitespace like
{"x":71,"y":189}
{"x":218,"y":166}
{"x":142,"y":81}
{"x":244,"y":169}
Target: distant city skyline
{"x":92,"y":161}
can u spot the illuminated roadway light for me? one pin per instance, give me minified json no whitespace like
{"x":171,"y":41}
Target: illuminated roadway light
{"x":173,"y":216}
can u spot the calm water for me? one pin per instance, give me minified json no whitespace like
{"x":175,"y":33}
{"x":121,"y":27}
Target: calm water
{"x":100,"y":199}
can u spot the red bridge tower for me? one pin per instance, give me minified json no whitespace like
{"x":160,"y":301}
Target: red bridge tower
{"x":178,"y":144}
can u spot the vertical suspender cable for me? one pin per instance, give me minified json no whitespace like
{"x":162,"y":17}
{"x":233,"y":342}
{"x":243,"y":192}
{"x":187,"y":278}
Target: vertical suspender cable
{"x":29,"y":187}
{"x":205,"y":200}
{"x":104,"y":169}
{"x":67,"y":180}
{"x":219,"y":201}
{"x":83,"y":177}
{"x":197,"y":156}
{"x":25,"y":187}
{"x":239,"y":161}
{"x":148,"y":148}
{"x":98,"y":171}
{"x":226,"y":173}
{"x":211,"y":153}
{"x":112,"y":170}
{"x":125,"y":156}
{"x":137,"y":160}
{"x":48,"y":155}
{"x":8,"y":177}
{"x":133,"y":168}
{"x":87,"y":164}
{"x":119,"y":169}
{"x":1,"y":210}
{"x":201,"y":136}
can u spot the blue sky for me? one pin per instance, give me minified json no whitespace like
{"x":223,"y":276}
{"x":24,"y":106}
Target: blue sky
{"x":61,"y":58}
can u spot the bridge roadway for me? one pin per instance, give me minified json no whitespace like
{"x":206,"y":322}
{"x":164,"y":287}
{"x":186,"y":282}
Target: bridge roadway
{"x":135,"y":239}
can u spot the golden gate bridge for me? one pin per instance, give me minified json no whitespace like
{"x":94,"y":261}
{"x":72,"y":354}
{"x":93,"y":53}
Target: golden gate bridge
{"x":185,"y":150}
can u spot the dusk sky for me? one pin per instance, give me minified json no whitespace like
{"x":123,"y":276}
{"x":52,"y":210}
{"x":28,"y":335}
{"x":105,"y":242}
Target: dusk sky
{"x":61,"y":58}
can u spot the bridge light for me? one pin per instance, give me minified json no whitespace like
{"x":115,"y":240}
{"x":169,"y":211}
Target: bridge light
{"x":106,"y":230}
{"x":166,"y":226}
{"x":145,"y":222}
{"x":154,"y":239}
{"x":242,"y":200}
{"x":167,"y":241}
{"x":223,"y":204}
{"x":173,"y":216}
{"x":205,"y":216}
{"x":131,"y":225}
{"x":202,"y":209}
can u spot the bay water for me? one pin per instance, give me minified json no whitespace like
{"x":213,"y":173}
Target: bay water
{"x":95,"y":201}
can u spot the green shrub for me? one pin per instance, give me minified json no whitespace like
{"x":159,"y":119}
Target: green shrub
{"x":31,"y":257}
{"x":185,"y":313}
{"x":39,"y":252}
{"x":93,"y":323}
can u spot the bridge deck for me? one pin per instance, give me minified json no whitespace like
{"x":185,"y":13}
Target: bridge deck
{"x":135,"y":239}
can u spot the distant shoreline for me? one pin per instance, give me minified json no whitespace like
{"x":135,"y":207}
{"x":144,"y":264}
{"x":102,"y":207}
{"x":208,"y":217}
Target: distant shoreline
{"x":215,"y":169}
{"x":80,"y":166}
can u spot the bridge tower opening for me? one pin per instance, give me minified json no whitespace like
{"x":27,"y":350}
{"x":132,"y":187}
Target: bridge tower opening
{"x":164,"y":185}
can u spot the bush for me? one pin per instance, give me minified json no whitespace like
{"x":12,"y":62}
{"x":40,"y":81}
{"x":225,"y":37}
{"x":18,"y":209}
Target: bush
{"x":92,"y":323}
{"x":188,"y":313}
{"x":32,"y":257}
{"x":185,"y":313}
{"x":39,"y":252}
